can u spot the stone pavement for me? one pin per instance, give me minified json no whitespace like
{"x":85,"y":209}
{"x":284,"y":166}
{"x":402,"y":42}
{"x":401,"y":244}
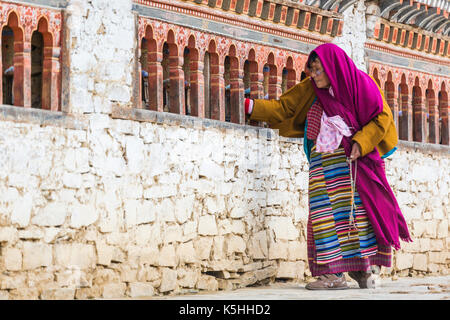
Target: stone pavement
{"x":405,"y":288}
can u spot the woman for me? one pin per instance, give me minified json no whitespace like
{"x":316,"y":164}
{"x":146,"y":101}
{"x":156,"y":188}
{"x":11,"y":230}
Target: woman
{"x":354,"y":218}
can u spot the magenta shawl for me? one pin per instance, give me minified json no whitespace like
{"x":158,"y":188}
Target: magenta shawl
{"x":357,"y":100}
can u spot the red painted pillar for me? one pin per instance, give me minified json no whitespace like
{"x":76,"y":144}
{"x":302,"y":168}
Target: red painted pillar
{"x":237,"y":92}
{"x":405,"y":118}
{"x":419,"y":121}
{"x":433,"y":121}
{"x":176,"y":75}
{"x":395,"y":108}
{"x":256,"y":82}
{"x":197,"y":81}
{"x":50,"y":79}
{"x":291,"y":79}
{"x":256,"y":86}
{"x":217,"y":100}
{"x":445,"y":127}
{"x":140,"y":103}
{"x":275,"y":79}
{"x":433,"y":116}
{"x":22,"y":74}
{"x":155,"y":78}
{"x":391,"y":100}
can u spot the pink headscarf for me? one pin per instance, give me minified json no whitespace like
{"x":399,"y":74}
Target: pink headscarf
{"x":358,"y":100}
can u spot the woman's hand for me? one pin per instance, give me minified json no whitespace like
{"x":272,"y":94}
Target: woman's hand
{"x":248,"y":106}
{"x":356,"y":151}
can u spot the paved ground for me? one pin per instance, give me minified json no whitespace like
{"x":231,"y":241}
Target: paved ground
{"x":426,"y":288}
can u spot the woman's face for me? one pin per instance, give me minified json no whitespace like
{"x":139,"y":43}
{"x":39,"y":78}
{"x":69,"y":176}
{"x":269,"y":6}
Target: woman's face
{"x":318,"y":75}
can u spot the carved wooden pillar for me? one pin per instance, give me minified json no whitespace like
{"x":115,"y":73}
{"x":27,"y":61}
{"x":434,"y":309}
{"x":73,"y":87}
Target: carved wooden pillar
{"x":217,"y":100}
{"x":197,"y":85}
{"x":256,"y":81}
{"x":155,"y":76}
{"x":419,"y":121}
{"x":176,"y":74}
{"x":236,"y":91}
{"x":291,"y":79}
{"x":395,"y":108}
{"x":433,"y":121}
{"x":207,"y":84}
{"x":22,"y":73}
{"x":391,"y":99}
{"x":433,"y":118}
{"x":141,"y":101}
{"x":444,"y":115}
{"x":50,"y":78}
{"x":275,"y":79}
{"x":405,"y":115}
{"x":256,"y":85}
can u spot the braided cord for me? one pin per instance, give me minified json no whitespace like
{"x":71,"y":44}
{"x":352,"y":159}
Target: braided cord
{"x":351,"y":220}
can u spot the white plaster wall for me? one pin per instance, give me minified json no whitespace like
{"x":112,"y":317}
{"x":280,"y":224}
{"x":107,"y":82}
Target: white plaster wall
{"x":171,"y":207}
{"x":354,"y":34}
{"x":101,"y":46}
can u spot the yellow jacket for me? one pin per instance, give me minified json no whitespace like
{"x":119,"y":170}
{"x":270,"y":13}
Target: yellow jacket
{"x":288,"y":115}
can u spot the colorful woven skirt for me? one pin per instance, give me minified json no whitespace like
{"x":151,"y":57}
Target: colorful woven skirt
{"x":335,"y":243}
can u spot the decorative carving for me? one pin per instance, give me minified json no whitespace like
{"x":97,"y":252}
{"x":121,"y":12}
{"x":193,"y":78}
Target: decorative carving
{"x":223,"y":46}
{"x":182,"y":35}
{"x":142,"y":26}
{"x":410,"y":76}
{"x":280,"y":59}
{"x":383,"y":74}
{"x":202,"y":41}
{"x":29,"y":18}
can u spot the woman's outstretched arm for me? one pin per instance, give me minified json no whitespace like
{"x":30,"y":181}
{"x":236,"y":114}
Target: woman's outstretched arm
{"x":275,"y":111}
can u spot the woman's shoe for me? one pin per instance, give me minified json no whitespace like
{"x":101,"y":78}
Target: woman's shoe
{"x":328,"y":282}
{"x":366,"y":279}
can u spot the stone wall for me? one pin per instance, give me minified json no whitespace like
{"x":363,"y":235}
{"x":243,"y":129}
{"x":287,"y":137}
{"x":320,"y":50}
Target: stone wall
{"x":166,"y":204}
{"x":100,"y":47}
{"x":419,"y":176}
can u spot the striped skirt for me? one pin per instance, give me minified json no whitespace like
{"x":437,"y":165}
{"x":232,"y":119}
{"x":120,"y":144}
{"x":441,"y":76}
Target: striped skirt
{"x":334,"y":243}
